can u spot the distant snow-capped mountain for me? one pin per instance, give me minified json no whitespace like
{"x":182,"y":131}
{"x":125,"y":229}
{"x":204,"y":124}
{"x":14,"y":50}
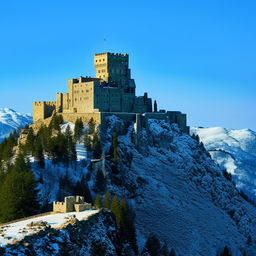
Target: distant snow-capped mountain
{"x":234,"y":150}
{"x":11,"y":120}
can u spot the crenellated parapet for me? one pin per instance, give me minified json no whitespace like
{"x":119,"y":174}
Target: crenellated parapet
{"x":43,"y":109}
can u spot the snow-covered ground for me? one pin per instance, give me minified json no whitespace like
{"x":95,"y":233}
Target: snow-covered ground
{"x":16,"y":231}
{"x":233,"y":150}
{"x":11,"y":120}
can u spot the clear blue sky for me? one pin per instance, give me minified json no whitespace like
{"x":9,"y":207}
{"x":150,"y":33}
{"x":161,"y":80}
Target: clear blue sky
{"x":195,"y":56}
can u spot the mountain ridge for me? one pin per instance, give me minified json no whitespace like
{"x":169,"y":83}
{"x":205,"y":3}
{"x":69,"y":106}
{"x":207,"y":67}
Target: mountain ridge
{"x":11,"y":120}
{"x":235,"y":151}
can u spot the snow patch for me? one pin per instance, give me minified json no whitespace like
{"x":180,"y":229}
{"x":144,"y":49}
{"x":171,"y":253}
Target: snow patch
{"x":20,"y":229}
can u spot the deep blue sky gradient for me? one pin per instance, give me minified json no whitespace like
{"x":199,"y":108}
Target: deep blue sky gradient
{"x":195,"y":56}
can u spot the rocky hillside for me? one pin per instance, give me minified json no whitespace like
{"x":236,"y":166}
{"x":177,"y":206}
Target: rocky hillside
{"x":235,"y":151}
{"x":11,"y":120}
{"x":96,"y":236}
{"x":180,"y":194}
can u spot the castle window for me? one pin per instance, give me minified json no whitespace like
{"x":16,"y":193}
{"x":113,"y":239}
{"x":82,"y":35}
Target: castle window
{"x":98,"y":71}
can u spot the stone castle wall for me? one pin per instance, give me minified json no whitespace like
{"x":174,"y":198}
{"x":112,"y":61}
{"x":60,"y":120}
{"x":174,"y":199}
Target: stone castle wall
{"x":43,"y":109}
{"x":59,"y":207}
{"x":86,"y":117}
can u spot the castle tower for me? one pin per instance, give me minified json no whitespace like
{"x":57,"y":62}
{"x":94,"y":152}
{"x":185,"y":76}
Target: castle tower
{"x":113,"y":68}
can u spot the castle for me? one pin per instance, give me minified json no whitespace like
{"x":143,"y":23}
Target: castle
{"x":112,"y":91}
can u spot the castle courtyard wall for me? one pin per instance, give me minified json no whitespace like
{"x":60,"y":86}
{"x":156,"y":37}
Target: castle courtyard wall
{"x":86,"y":117}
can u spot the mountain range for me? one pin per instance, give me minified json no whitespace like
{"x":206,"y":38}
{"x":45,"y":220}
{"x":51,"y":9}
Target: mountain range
{"x":235,"y":151}
{"x":11,"y":120}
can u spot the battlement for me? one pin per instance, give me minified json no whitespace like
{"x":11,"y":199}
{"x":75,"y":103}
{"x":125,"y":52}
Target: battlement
{"x":59,"y":203}
{"x":84,"y":79}
{"x":42,"y":103}
{"x":113,"y":54}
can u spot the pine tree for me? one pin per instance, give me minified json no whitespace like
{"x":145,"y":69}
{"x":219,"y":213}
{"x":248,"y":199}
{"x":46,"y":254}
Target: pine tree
{"x":91,"y":126}
{"x":6,"y":147}
{"x":227,"y":175}
{"x":18,"y":194}
{"x":226,"y":252}
{"x":116,"y":209}
{"x":30,"y":140}
{"x":155,"y":106}
{"x":97,"y":201}
{"x":56,"y":121}
{"x":124,"y":212}
{"x":107,"y":200}
{"x":58,"y":148}
{"x":127,"y":224}
{"x":70,"y":144}
{"x":164,"y":250}
{"x":82,"y":189}
{"x":115,"y":147}
{"x":38,"y":154}
{"x":100,"y":182}
{"x":78,"y":130}
{"x":87,"y":142}
{"x":152,"y":246}
{"x":172,"y":252}
{"x":249,"y":240}
{"x":96,"y":146}
{"x":21,"y":164}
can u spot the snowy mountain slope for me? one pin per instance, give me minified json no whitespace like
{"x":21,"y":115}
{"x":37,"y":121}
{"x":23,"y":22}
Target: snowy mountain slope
{"x":11,"y":120}
{"x":234,"y":150}
{"x":180,"y":194}
{"x":18,"y":230}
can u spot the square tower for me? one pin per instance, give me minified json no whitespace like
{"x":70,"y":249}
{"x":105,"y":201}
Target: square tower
{"x":113,"y":68}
